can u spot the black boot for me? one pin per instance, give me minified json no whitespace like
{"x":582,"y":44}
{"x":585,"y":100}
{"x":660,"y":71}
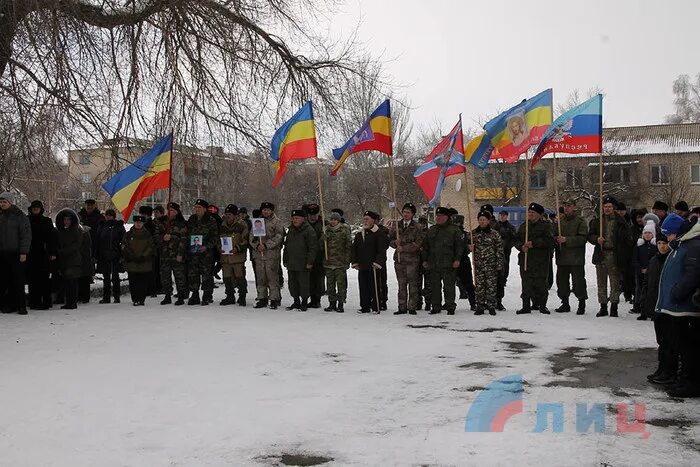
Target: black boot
{"x":613,"y":310}
{"x":207,"y":298}
{"x":401,"y":312}
{"x":427,"y":306}
{"x":315,"y":303}
{"x":167,"y":300}
{"x":260,"y":304}
{"x":22,"y":310}
{"x":105,"y":299}
{"x":479,"y":311}
{"x":603,"y":310}
{"x":295,"y":304}
{"x":492,"y":312}
{"x":117,"y":299}
{"x":274,"y":304}
{"x":194,"y":299}
{"x":526,"y":307}
{"x":228,"y":300}
{"x":581,"y":307}
{"x":565,"y":307}
{"x":499,"y":306}
{"x":305,"y":305}
{"x":542,"y":306}
{"x":339,"y":308}
{"x":436,"y":310}
{"x":331,"y":306}
{"x":241,"y":299}
{"x":180,"y":300}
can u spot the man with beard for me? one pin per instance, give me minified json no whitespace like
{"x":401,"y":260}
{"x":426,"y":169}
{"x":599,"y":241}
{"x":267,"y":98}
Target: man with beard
{"x":42,"y":254}
{"x":368,"y":257}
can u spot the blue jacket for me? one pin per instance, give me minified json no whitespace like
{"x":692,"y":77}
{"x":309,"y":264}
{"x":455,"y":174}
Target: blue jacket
{"x":680,"y":277}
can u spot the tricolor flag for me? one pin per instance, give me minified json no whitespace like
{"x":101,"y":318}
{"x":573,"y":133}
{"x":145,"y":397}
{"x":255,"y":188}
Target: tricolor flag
{"x":373,"y":135}
{"x":296,"y":139}
{"x":142,"y":178}
{"x":478,"y":151}
{"x":515,"y":130}
{"x":578,"y":131}
{"x":447,"y":158}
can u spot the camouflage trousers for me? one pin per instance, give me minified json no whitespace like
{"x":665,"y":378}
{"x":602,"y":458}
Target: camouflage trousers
{"x":337,"y":284}
{"x":486,"y":289}
{"x":199,"y":272}
{"x":235,"y":274}
{"x":168,"y":269}
{"x":408,"y":276}
{"x":606,"y":271}
{"x":268,"y":273}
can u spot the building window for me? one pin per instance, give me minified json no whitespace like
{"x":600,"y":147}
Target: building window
{"x":574,"y":178}
{"x":538,"y":179}
{"x":660,"y":175}
{"x":617,"y":174}
{"x":695,"y":174}
{"x":85,"y":177}
{"x":84,"y":159}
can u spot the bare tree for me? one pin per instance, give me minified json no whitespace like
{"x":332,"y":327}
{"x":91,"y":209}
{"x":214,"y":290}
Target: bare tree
{"x":687,"y":100}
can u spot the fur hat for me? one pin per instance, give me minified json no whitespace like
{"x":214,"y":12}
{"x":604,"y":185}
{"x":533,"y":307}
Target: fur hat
{"x":201,"y":202}
{"x":335,"y":215}
{"x":681,"y":206}
{"x":139,"y":218}
{"x":372,"y":214}
{"x":442,"y":211}
{"x":312,"y":208}
{"x":231,"y":208}
{"x":487,"y":207}
{"x":660,"y":205}
{"x":298,"y":213}
{"x":7,"y":196}
{"x":538,"y":208}
{"x":485,"y":214}
{"x":649,"y":227}
{"x":410,"y":206}
{"x":267,"y":205}
{"x":650,"y":216}
{"x":175,"y":206}
{"x":111,"y":213}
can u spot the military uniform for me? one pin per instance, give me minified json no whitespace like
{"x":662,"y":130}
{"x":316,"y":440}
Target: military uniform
{"x":137,"y":249}
{"x":267,"y":262}
{"x":336,"y":265}
{"x":199,"y":266}
{"x":443,"y":246}
{"x":488,"y":260}
{"x":300,"y":251}
{"x":508,"y":236}
{"x":382,"y":276}
{"x":407,"y":264}
{"x":571,"y":259}
{"x":233,"y":264}
{"x":169,"y":251}
{"x":317,"y":275}
{"x":534,"y":279}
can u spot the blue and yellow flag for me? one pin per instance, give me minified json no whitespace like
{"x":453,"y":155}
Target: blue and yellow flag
{"x":296,"y":139}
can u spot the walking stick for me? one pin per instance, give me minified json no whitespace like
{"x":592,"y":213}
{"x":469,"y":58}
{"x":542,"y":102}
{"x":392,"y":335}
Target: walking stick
{"x":376,"y":288}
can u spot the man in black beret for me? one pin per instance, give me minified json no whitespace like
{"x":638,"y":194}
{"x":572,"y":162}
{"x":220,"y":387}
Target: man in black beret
{"x":442,"y":253}
{"x":612,"y":253}
{"x":537,"y":248}
{"x":368,"y":255}
{"x":571,"y":258}
{"x":407,"y":240}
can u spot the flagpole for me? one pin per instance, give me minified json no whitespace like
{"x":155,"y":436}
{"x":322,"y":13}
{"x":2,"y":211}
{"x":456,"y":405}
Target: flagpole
{"x":392,"y":186}
{"x":600,"y":167}
{"x":323,"y":210}
{"x":170,"y":180}
{"x":527,"y":202}
{"x":556,"y":192}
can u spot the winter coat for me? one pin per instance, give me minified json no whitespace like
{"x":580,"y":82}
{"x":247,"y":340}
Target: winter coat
{"x":110,"y":234}
{"x":620,"y":242}
{"x":179,"y":238}
{"x":539,"y":257}
{"x":273,"y":240}
{"x":339,"y":243}
{"x":508,"y":235}
{"x":238,"y":231}
{"x":656,"y":264}
{"x":87,"y":268}
{"x":680,"y":277}
{"x":369,"y":247}
{"x":300,"y":247}
{"x":70,"y":245}
{"x":411,"y":238}
{"x":15,"y":231}
{"x":44,"y":242}
{"x":137,"y":249}
{"x":91,"y":220}
{"x":318,"y":230}
{"x":488,"y":249}
{"x":643,"y":254}
{"x":443,"y":245}
{"x":207,"y":228}
{"x":573,"y":251}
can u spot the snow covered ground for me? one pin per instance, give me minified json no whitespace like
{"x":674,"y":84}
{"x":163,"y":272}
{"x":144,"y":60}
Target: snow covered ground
{"x":113,"y":385}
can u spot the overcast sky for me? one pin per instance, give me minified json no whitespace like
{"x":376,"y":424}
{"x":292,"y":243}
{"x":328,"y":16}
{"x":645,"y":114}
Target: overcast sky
{"x":477,"y":57}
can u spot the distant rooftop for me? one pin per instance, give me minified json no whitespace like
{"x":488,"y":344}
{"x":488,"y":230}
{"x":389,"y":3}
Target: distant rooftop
{"x":654,"y":139}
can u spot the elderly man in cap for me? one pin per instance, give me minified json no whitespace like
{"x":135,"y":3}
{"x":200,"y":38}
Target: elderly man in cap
{"x":368,"y":256}
{"x":442,"y":252}
{"x":571,"y":258}
{"x":407,"y":240}
{"x":299,"y":257}
{"x":267,"y":255}
{"x":15,"y":242}
{"x":537,"y":249}
{"x":172,"y":242}
{"x":612,"y":253}
{"x":204,"y":239}
{"x":233,"y":261}
{"x":317,"y":275}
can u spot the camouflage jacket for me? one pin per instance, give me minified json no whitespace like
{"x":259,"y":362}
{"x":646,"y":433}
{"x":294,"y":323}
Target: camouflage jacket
{"x":238,"y":231}
{"x":177,"y":245}
{"x":339,"y":243}
{"x":488,"y":249}
{"x":273,"y":240}
{"x":207,"y":228}
{"x":411,"y":239}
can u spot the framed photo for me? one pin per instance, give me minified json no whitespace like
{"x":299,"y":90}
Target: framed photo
{"x":259,"y":227}
{"x":226,"y":245}
{"x":196,"y":243}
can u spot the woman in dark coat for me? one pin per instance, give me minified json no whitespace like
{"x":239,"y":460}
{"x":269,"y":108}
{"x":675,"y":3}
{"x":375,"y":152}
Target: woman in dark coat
{"x":108,"y":250}
{"x":137,"y":249}
{"x":70,"y":255}
{"x":41,"y":254}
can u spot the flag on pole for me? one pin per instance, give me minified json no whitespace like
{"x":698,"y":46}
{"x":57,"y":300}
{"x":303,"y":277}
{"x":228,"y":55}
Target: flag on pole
{"x":447,"y":158}
{"x":577,"y":131}
{"x":478,"y":151}
{"x":142,"y":178}
{"x":373,"y":135}
{"x":296,"y":139}
{"x":515,"y":130}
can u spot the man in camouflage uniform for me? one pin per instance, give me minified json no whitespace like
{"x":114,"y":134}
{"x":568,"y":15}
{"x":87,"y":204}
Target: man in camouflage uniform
{"x":571,"y":258}
{"x":508,"y":235}
{"x":539,"y":243}
{"x":201,"y":256}
{"x":317,"y":275}
{"x":442,"y":252}
{"x":299,"y":257}
{"x":488,"y":262}
{"x":424,"y":279}
{"x":171,"y":240}
{"x":613,"y":249}
{"x":407,"y":240}
{"x":338,"y":238}
{"x":267,"y":255}
{"x":233,"y":263}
